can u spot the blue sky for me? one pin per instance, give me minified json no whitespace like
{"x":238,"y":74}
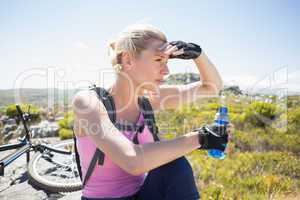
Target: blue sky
{"x":250,"y":42}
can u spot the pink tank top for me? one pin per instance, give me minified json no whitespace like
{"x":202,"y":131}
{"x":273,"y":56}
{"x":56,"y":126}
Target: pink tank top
{"x":109,"y":180}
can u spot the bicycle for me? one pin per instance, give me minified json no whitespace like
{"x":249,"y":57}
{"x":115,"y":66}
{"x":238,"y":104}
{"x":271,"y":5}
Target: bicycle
{"x":52,"y":168}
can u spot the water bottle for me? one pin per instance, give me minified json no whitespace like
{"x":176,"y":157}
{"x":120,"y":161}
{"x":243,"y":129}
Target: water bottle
{"x":221,"y":120}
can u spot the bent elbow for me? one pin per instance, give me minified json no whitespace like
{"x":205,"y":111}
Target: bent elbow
{"x":213,"y":89}
{"x":135,"y":171}
{"x":217,"y":87}
{"x":132,"y":167}
{"x":134,"y":163}
{"x":220,"y":86}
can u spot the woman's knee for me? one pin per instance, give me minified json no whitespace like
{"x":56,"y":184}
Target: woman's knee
{"x":180,"y":164}
{"x":179,"y":169}
{"x":180,"y":180}
{"x":173,"y":180}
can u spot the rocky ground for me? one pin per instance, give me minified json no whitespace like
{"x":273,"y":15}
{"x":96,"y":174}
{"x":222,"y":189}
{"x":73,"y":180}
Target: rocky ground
{"x":14,"y":184}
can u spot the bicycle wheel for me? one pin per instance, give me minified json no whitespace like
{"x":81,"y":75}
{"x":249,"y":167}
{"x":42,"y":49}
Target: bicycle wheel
{"x":55,"y":172}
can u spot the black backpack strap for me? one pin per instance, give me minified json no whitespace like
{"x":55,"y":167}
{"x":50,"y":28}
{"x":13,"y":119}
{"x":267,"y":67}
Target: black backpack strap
{"x":99,"y":155}
{"x":77,"y":159}
{"x":108,"y":102}
{"x":137,"y":131}
{"x":149,"y":119}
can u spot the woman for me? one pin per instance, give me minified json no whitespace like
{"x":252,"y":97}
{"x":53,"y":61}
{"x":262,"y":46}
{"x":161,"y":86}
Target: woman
{"x":148,"y":170}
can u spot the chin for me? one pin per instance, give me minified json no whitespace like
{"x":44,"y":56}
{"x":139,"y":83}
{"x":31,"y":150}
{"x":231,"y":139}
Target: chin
{"x":150,"y":86}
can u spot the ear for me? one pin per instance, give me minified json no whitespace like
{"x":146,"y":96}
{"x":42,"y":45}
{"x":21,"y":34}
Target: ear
{"x":127,"y":61}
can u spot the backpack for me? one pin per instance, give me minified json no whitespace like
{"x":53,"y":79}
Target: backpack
{"x":107,"y":100}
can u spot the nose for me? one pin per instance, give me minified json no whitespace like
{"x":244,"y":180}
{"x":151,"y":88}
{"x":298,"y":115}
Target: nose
{"x":165,"y":70}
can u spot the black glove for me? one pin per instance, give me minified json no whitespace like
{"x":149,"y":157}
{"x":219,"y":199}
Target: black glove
{"x":213,"y":137}
{"x":190,"y":50}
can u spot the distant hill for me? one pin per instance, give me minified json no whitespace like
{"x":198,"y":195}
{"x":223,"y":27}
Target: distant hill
{"x":186,"y":78}
{"x":35,"y":96}
{"x":40,"y":97}
{"x":182,"y":78}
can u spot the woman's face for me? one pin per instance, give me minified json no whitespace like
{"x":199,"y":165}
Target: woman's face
{"x":150,"y":66}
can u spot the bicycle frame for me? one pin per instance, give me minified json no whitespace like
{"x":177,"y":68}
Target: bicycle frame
{"x":24,"y":143}
{"x":24,"y":146}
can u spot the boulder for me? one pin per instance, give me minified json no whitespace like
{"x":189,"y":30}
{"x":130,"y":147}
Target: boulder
{"x":8,"y":128}
{"x":45,"y":129}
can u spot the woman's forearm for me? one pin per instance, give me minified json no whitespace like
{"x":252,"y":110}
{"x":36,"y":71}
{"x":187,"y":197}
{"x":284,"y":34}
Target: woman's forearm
{"x":208,"y":72}
{"x":156,"y":154}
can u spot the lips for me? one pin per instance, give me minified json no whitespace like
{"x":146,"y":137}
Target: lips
{"x":160,"y":81}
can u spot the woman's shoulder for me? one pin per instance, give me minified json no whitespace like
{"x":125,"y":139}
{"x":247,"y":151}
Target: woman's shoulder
{"x":86,"y":105}
{"x":83,"y":95}
{"x":83,"y":99}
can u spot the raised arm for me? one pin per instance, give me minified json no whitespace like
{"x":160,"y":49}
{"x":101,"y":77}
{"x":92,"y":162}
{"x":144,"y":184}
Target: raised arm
{"x":91,"y":117}
{"x":210,"y":84}
{"x":209,"y":75}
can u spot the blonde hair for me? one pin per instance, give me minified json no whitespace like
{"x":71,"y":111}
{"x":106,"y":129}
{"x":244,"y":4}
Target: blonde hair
{"x":133,"y":39}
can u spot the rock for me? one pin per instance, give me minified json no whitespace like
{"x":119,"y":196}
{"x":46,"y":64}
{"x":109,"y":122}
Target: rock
{"x":11,"y":121}
{"x":23,"y":191}
{"x":8,"y":136}
{"x":20,"y":131}
{"x":8,"y":127}
{"x":72,"y":195}
{"x":45,"y":129}
{"x":4,"y":119}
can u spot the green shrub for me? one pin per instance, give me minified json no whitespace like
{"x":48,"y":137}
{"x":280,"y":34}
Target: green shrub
{"x":11,"y":111}
{"x":293,"y":118}
{"x":65,"y":134}
{"x":238,"y":119}
{"x":263,"y":157}
{"x":212,"y":106}
{"x":261,"y":114}
{"x":66,"y":125}
{"x":293,"y":101}
{"x":67,"y":121}
{"x":268,"y":139}
{"x":246,"y":175}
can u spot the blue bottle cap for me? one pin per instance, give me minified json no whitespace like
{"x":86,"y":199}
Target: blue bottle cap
{"x":223,"y":110}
